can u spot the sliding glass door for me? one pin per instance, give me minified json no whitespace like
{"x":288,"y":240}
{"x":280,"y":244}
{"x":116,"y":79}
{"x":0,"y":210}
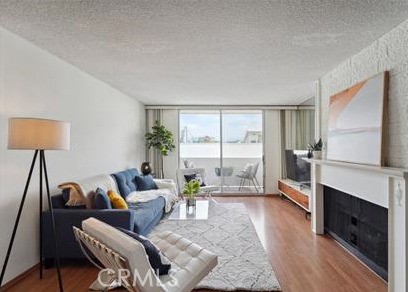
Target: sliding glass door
{"x":242,"y":151}
{"x":200,"y":139}
{"x":227,"y":144}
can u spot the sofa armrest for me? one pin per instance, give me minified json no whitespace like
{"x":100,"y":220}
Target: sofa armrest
{"x":166,"y":184}
{"x":65,"y":219}
{"x":74,"y":217}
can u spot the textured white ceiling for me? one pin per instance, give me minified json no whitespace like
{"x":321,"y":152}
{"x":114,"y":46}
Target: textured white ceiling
{"x":205,"y":52}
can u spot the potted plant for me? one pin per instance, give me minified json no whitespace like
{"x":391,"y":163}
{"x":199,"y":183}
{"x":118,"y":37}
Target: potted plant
{"x":191,"y":189}
{"x":162,"y":140}
{"x":316,"y":149}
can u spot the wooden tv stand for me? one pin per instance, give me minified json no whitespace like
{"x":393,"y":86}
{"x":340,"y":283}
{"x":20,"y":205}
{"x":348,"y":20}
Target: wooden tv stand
{"x":294,"y":192}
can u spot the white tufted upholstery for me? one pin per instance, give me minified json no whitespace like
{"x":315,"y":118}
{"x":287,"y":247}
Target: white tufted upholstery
{"x":190,"y":262}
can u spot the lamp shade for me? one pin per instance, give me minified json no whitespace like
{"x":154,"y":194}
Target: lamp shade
{"x":38,"y":134}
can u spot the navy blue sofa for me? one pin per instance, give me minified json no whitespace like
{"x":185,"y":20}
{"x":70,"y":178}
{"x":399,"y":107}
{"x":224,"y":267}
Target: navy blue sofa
{"x":140,"y":218}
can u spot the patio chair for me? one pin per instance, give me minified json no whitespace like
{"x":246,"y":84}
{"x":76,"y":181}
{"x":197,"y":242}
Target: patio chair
{"x":127,"y":264}
{"x":189,"y":164}
{"x":249,"y":174}
{"x":223,"y":173}
{"x":181,"y":180}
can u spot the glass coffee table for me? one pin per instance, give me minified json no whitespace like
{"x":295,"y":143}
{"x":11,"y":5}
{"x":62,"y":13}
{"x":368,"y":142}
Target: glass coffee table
{"x":199,"y":212}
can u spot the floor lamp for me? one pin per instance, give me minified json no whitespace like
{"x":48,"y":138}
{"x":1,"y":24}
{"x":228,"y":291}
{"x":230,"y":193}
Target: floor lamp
{"x":38,"y":135}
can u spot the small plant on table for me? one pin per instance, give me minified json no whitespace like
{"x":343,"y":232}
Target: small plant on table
{"x":191,"y":189}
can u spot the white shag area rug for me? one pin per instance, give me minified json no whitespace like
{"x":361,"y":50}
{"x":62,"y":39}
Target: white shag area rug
{"x":229,"y":233}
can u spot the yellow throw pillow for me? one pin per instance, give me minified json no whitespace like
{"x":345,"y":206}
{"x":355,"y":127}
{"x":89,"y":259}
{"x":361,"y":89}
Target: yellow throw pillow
{"x":116,"y":200}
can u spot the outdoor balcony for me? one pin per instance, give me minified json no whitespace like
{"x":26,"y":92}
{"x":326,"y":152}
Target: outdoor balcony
{"x":236,"y":156}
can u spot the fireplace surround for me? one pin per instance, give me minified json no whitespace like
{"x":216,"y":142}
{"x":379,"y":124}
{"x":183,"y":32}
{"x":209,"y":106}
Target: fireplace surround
{"x":383,"y":186}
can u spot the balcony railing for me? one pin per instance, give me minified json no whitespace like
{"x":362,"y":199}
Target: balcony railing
{"x":235,"y":156}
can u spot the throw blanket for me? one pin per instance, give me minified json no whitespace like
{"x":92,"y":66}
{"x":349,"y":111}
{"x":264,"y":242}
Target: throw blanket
{"x":83,"y":191}
{"x":76,"y":196}
{"x":145,"y":196}
{"x":166,"y":184}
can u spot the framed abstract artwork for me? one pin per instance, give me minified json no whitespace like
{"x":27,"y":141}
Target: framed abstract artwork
{"x":357,"y":122}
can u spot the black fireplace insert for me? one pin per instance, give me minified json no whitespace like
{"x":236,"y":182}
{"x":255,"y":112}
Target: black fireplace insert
{"x":360,"y":226}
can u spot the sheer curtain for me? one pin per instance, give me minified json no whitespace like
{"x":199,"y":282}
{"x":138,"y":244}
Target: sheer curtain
{"x":304,"y":128}
{"x":297,"y":131}
{"x":152,"y":155}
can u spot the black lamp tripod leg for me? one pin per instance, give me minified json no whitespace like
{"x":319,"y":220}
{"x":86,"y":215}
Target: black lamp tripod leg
{"x":40,"y":213}
{"x":20,"y":209}
{"x":54,"y":234}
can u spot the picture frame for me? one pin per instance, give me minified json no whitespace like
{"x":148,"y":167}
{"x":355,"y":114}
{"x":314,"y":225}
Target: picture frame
{"x":358,"y":121}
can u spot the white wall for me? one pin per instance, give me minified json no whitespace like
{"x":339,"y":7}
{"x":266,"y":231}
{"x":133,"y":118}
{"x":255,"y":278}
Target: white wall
{"x":106,"y":134}
{"x":387,"y":53}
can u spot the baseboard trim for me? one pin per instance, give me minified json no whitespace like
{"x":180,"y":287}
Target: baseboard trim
{"x":19,"y":278}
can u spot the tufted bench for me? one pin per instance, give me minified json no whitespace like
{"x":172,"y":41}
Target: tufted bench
{"x":116,"y":250}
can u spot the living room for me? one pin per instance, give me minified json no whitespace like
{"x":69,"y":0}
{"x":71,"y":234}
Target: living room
{"x":244,"y":145}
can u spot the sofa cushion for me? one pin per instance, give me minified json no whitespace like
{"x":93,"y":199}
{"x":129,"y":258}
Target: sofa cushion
{"x":181,"y":180}
{"x":195,"y":176}
{"x":102,"y":200}
{"x":64,"y":199}
{"x":145,"y":183}
{"x":83,"y":191}
{"x":65,"y":195}
{"x":58,"y":201}
{"x":116,"y":200}
{"x":160,"y":264}
{"x":72,"y":194}
{"x":146,"y":214}
{"x":126,"y":181}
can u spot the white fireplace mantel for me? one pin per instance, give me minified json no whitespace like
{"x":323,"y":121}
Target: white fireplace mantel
{"x":384,"y":186}
{"x":389,"y":171}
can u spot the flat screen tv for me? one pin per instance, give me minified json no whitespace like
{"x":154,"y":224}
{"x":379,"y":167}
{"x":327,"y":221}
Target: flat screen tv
{"x":297,"y":169}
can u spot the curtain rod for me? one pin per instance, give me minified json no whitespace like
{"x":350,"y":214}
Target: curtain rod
{"x":230,"y":107}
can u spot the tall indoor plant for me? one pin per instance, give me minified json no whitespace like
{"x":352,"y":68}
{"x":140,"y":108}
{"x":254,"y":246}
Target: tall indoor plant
{"x":160,"y":139}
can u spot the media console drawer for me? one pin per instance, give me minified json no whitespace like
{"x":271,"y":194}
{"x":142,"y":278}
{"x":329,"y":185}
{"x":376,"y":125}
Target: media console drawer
{"x":293,"y":191}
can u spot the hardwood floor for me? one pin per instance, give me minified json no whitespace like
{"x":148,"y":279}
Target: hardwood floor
{"x":302,"y":261}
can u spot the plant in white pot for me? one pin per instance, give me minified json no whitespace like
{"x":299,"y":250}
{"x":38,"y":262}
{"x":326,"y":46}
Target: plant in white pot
{"x":190,"y":190}
{"x":316,"y":149}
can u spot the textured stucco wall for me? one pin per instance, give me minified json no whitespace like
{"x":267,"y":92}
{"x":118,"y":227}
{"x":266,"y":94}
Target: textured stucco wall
{"x":390,"y":52}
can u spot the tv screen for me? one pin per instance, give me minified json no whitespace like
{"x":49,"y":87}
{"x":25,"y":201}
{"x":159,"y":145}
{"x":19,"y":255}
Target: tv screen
{"x":297,"y":168}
